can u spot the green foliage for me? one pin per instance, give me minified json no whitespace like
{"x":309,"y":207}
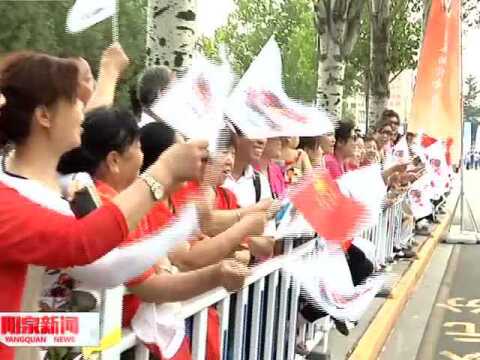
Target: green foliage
{"x":470,"y":101}
{"x":254,"y":22}
{"x":40,"y":25}
{"x":405,"y":40}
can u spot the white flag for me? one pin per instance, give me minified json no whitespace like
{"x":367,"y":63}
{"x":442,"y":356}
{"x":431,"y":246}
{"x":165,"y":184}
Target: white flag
{"x":419,"y":196}
{"x":126,"y":262}
{"x":399,"y":154}
{"x":372,"y":197}
{"x":260,"y":108}
{"x":194,"y":104}
{"x":86,"y":13}
{"x":437,"y":168}
{"x":336,"y":294}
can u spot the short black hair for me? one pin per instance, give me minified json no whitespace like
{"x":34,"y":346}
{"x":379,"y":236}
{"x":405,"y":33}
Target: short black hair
{"x":343,"y":132}
{"x":226,"y":139}
{"x":155,"y":138}
{"x":383,"y":122}
{"x":152,"y":81}
{"x":309,"y":142}
{"x":388,"y":113}
{"x":104,"y":130}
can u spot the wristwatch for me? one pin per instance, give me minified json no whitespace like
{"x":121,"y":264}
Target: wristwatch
{"x":156,"y":188}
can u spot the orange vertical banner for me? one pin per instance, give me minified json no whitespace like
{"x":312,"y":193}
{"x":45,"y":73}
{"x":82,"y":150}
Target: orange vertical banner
{"x":436,"y":106}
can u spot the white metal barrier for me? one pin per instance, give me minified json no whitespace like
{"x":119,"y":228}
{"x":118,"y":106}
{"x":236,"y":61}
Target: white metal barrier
{"x":265,"y":311}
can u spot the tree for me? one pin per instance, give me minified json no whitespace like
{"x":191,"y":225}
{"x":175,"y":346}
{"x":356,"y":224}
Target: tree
{"x":471,"y":108}
{"x":338,"y":26}
{"x":171,"y":33}
{"x":391,"y":51}
{"x":404,"y":36}
{"x":379,"y":71}
{"x":41,"y":26}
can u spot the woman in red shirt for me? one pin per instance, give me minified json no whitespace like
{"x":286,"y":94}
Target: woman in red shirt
{"x":41,"y":119}
{"x":111,"y":153}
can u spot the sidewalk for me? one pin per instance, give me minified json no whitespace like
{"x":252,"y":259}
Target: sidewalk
{"x":366,"y":341}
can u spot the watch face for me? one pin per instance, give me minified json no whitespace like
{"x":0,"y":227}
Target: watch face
{"x":158,"y":193}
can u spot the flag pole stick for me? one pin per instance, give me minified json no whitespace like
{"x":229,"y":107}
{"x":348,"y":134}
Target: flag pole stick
{"x":462,"y":172}
{"x":462,"y":236}
{"x":115,"y":23}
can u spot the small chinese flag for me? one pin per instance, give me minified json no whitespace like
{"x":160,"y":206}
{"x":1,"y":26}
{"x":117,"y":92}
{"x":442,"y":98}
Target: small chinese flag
{"x":333,"y":215}
{"x":426,"y":141}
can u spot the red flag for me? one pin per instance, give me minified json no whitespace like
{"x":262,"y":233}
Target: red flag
{"x":333,"y":215}
{"x":436,"y":106}
{"x":426,"y":141}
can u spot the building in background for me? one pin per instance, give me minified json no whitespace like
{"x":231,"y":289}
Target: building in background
{"x":401,"y":94}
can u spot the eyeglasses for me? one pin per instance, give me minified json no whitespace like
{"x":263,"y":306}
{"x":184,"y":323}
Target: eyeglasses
{"x":395,"y":123}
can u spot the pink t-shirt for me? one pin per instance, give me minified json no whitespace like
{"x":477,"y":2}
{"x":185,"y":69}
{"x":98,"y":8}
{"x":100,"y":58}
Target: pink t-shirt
{"x":276,"y":179}
{"x":333,"y":165}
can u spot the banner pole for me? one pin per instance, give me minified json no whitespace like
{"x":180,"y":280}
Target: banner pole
{"x":115,"y":30}
{"x":462,"y":122}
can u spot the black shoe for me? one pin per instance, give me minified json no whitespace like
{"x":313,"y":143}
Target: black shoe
{"x":423,"y":232}
{"x":407,"y":254}
{"x":385,"y":293}
{"x":341,"y":326}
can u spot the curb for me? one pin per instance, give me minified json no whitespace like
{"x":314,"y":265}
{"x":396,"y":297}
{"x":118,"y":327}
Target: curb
{"x":373,"y":340}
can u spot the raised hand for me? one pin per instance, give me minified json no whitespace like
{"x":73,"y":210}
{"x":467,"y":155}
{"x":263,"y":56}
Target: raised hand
{"x":114,"y":58}
{"x":182,"y":162}
{"x":232,"y":274}
{"x":255,"y":223}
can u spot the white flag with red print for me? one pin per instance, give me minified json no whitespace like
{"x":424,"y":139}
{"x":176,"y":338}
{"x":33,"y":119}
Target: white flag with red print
{"x":194,"y":104}
{"x":399,"y":154}
{"x":437,"y":168}
{"x":336,"y":294}
{"x":419,"y":196}
{"x":260,"y":108}
{"x":86,"y":13}
{"x":372,"y":197}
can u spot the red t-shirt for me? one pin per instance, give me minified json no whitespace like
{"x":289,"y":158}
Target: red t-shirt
{"x":158,"y":217}
{"x":225,"y":199}
{"x":33,"y":234}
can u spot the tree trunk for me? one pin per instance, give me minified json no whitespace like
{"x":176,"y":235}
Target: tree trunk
{"x":379,"y":71}
{"x":331,"y":71}
{"x":171,"y":34}
{"x":338,"y":27}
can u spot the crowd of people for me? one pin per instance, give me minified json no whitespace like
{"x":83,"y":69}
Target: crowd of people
{"x":472,"y":160}
{"x":57,"y":121}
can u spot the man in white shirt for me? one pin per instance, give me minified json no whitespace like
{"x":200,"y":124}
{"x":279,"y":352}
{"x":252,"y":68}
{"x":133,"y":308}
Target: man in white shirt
{"x":248,"y":185}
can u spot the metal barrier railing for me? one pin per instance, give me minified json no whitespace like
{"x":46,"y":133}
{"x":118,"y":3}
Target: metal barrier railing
{"x":269,"y":300}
